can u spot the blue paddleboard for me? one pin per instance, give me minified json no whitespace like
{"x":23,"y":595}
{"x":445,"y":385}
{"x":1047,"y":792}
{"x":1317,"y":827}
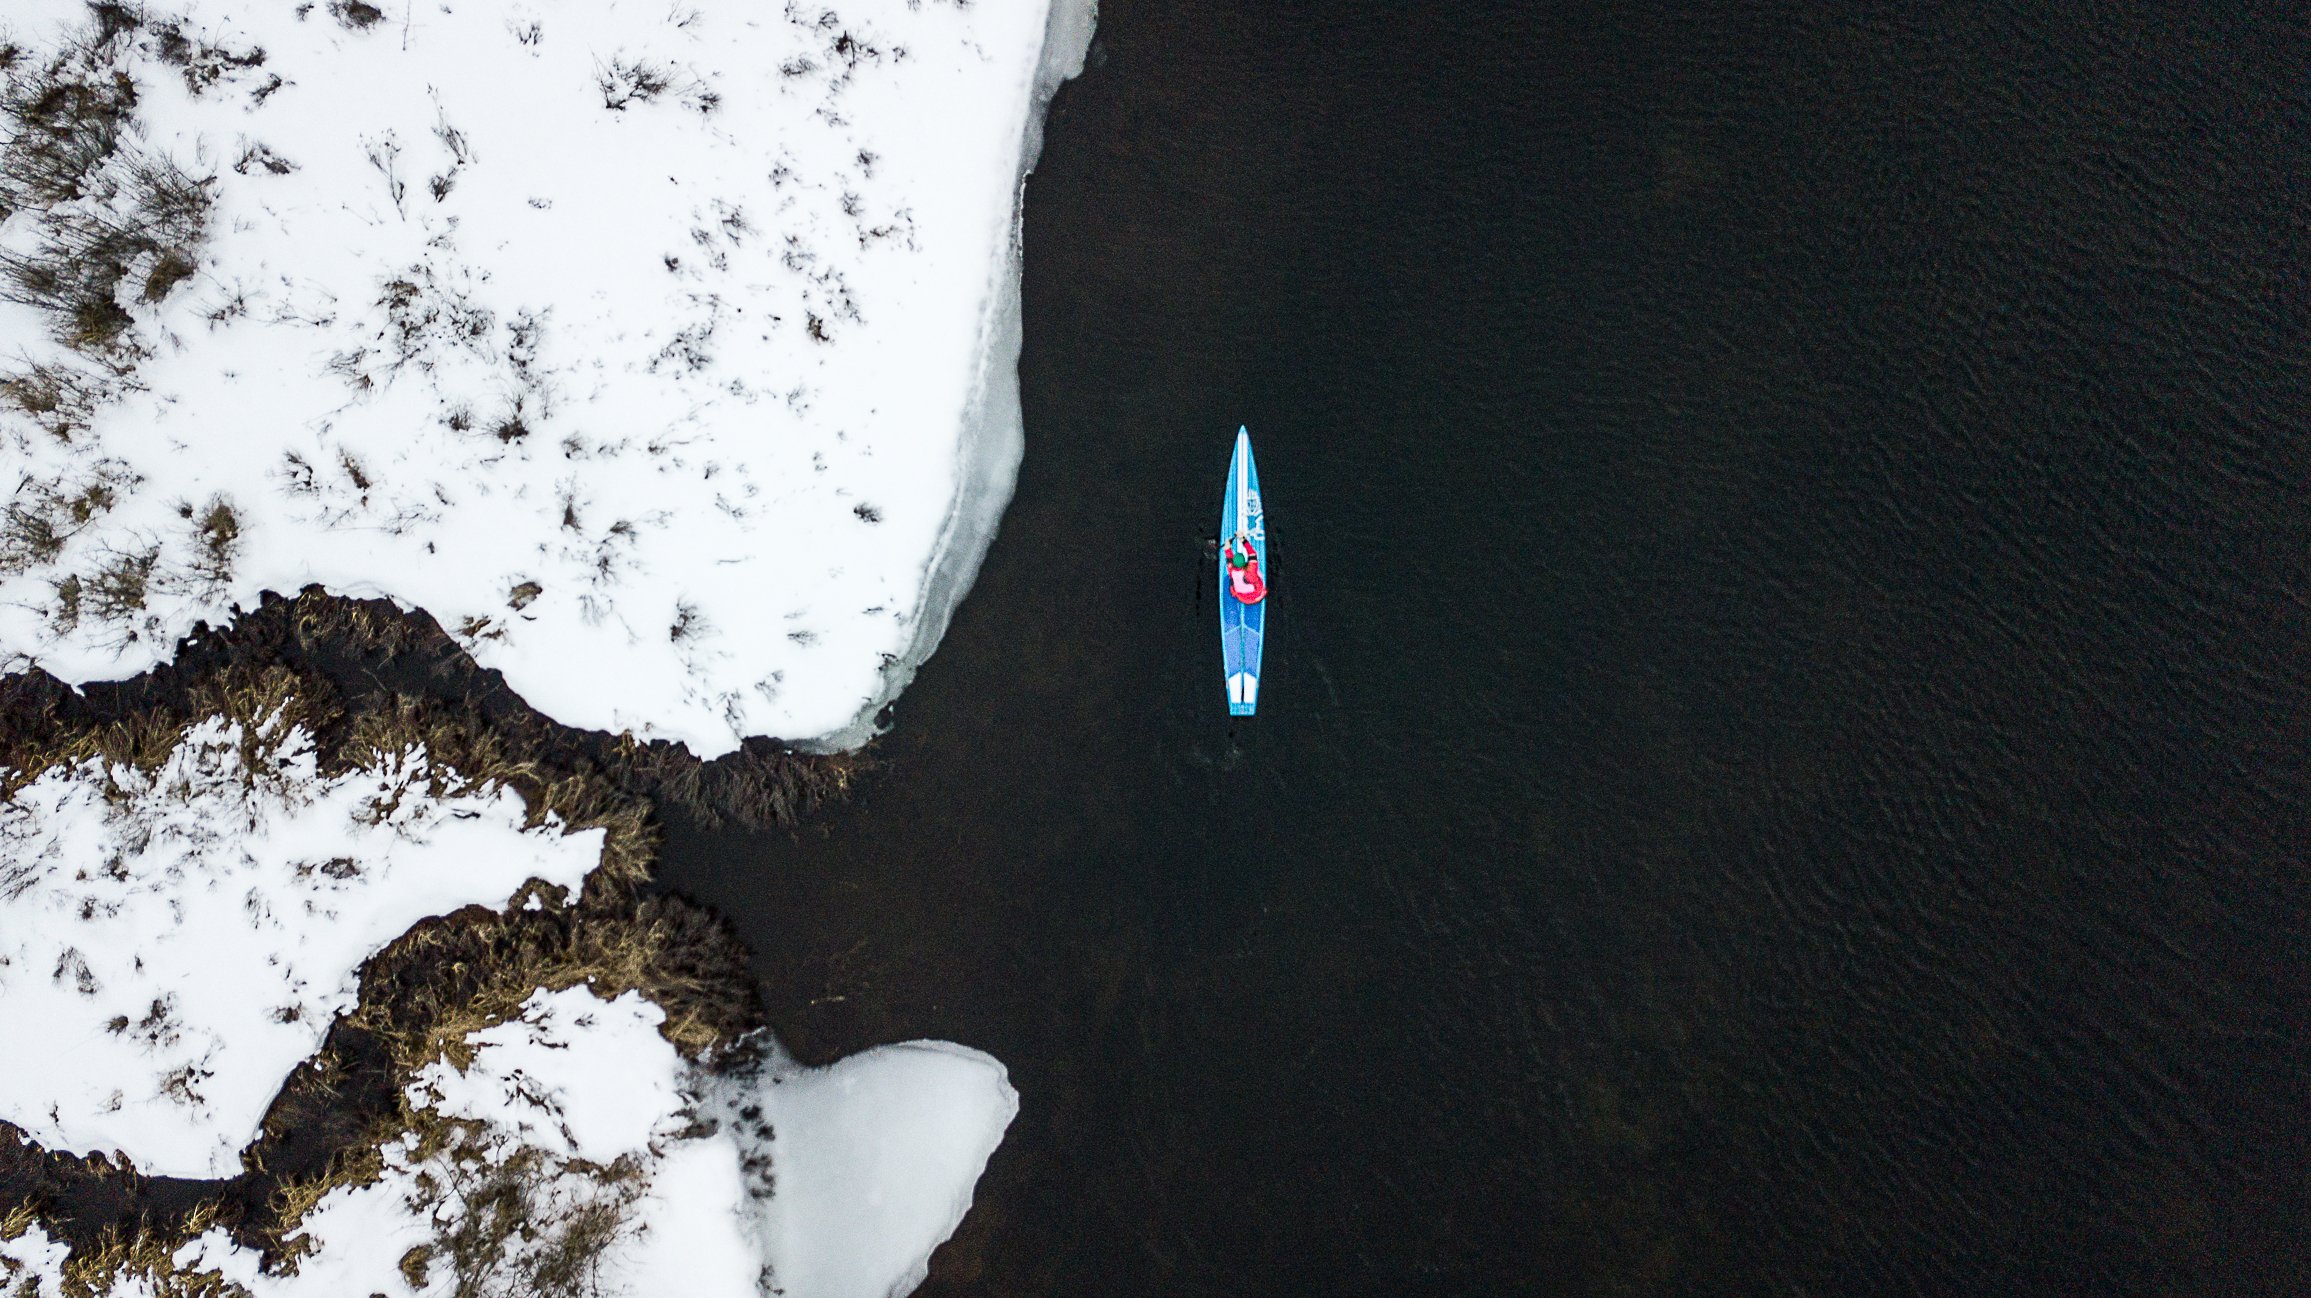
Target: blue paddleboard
{"x":1242,"y":625}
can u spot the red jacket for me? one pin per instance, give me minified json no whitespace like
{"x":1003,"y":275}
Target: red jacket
{"x":1244,"y":580}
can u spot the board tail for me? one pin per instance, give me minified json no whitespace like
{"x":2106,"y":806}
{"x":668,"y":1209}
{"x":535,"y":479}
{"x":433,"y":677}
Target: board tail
{"x":1243,"y":694}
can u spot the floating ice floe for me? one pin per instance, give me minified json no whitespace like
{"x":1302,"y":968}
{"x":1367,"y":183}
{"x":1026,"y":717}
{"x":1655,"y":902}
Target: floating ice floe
{"x":875,"y":1158}
{"x":664,"y":353}
{"x":173,"y":942}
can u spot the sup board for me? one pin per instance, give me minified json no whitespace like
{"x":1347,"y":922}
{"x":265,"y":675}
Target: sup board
{"x":1242,"y":626}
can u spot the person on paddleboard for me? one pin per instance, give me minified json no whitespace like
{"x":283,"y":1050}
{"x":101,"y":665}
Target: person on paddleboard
{"x":1244,"y":580}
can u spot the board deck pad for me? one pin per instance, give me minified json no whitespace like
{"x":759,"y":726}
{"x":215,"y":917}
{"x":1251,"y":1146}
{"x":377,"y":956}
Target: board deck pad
{"x":1243,"y":626}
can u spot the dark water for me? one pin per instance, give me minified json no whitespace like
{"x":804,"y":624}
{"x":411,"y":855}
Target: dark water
{"x":1784,"y":761}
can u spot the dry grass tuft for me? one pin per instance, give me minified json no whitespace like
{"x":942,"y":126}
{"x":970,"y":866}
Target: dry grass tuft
{"x":56,"y":399}
{"x":424,"y":997}
{"x":171,"y":269}
{"x":156,"y":213}
{"x":202,"y":64}
{"x":292,"y":1198}
{"x":216,"y":542}
{"x":106,"y":211}
{"x":100,"y":1266}
{"x":356,"y":15}
{"x":66,"y":613}
{"x":65,"y":116}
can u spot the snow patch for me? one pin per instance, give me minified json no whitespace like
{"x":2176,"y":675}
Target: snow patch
{"x":173,"y":942}
{"x":566,"y":1063}
{"x":32,"y":1256}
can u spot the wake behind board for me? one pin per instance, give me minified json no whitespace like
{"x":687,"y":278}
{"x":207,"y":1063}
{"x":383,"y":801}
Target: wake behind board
{"x":1242,"y":626}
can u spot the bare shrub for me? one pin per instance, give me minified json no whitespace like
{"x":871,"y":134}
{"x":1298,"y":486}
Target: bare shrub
{"x":46,"y":515}
{"x":29,"y":536}
{"x":216,"y":543}
{"x":257,"y":157}
{"x":172,"y":268}
{"x":625,"y":81}
{"x":65,"y":119}
{"x":423,"y":314}
{"x":107,"y":210}
{"x":58,"y":399}
{"x":85,"y":250}
{"x":118,"y":590}
{"x":41,"y":390}
{"x":65,"y":615}
{"x":384,"y":154}
{"x":202,"y":64}
{"x":356,"y":15}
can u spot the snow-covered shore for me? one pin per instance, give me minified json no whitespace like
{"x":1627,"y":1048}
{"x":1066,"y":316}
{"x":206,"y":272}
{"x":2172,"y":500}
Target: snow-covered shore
{"x":178,"y":933}
{"x":665,"y":355}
